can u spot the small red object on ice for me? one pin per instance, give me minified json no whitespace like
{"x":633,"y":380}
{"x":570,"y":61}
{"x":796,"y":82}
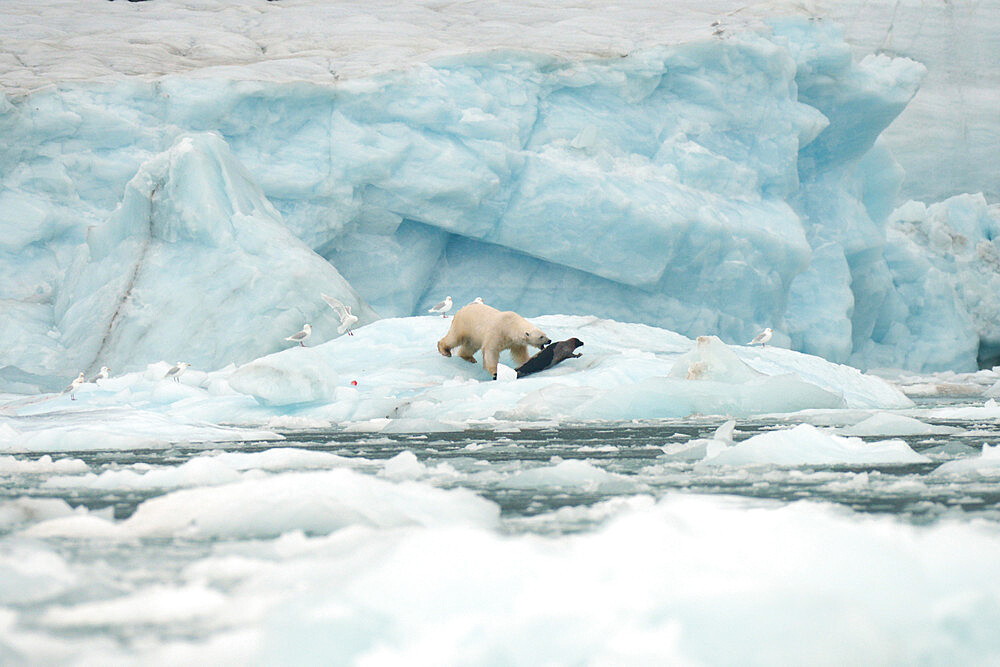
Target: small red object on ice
{"x":354,"y":383}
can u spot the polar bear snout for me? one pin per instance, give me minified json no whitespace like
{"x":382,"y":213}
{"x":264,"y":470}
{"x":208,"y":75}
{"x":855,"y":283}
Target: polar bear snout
{"x":537,"y":339}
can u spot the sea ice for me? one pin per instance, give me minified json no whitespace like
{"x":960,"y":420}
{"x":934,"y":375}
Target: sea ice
{"x":807,"y":445}
{"x":987,"y":464}
{"x":389,"y":377}
{"x":315,"y":502}
{"x":885,"y":423}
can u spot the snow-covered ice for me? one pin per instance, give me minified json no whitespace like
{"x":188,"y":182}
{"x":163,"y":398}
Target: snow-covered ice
{"x":390,"y":377}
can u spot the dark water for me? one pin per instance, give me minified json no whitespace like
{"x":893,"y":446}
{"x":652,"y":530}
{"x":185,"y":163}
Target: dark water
{"x":480,"y":460}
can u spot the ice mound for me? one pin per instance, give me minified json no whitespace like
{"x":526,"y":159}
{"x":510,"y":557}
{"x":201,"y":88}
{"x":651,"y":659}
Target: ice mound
{"x":196,"y":265}
{"x":32,"y":510}
{"x":571,"y":475}
{"x":697,"y":449}
{"x":313,"y":502}
{"x":807,"y":445}
{"x":389,"y":377}
{"x":31,"y":574}
{"x":43,"y":464}
{"x":885,"y":423}
{"x":151,"y":605}
{"x":298,"y":375}
{"x":206,"y":470}
{"x":986,"y":465}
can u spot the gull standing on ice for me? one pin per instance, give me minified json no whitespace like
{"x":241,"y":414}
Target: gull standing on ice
{"x":177,"y":370}
{"x":302,"y":335}
{"x":103,"y":374}
{"x":442,"y":307}
{"x":74,"y":385}
{"x":762,"y":337}
{"x":347,"y":318}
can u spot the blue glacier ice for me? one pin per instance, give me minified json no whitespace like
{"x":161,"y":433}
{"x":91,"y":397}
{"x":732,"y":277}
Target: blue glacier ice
{"x":708,"y":182}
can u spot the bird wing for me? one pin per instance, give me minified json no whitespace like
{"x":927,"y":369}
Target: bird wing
{"x":440,"y":305}
{"x":342,"y":310}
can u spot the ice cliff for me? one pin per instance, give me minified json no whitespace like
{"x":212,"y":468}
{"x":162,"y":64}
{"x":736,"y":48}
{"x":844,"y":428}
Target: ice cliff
{"x":190,"y":195}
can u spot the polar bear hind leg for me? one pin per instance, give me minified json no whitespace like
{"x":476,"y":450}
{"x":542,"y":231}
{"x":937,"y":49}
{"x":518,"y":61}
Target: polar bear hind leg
{"x":467,"y":352}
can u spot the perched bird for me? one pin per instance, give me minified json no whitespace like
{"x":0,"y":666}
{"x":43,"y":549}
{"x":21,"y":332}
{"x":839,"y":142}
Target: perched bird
{"x":442,"y":307}
{"x":177,"y":370}
{"x":762,"y":337}
{"x":103,"y":374}
{"x":347,"y":318}
{"x":478,"y":299}
{"x":302,"y":335}
{"x":74,"y":385}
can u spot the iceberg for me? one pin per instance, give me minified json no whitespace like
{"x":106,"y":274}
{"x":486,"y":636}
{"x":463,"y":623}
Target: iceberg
{"x":191,"y":196}
{"x":389,"y":377}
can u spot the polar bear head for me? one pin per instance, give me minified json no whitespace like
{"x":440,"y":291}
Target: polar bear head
{"x":534,"y":337}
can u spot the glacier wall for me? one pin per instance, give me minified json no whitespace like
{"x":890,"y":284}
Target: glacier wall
{"x":956,"y":106}
{"x":713,"y":186}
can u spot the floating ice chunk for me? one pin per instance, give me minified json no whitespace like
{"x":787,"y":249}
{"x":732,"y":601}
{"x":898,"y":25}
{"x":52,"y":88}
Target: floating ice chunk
{"x":153,"y":605}
{"x":79,"y":526}
{"x":314,"y":502}
{"x":571,"y":475}
{"x":988,"y":410}
{"x":207,"y":470}
{"x":886,"y":423}
{"x":44,"y":464}
{"x":701,"y":448}
{"x":987,"y":464}
{"x":32,"y":510}
{"x":30,"y":574}
{"x":403,"y":466}
{"x":807,"y":445}
{"x":199,"y":471}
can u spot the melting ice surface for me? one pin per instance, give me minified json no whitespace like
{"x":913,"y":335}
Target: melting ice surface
{"x":182,"y":181}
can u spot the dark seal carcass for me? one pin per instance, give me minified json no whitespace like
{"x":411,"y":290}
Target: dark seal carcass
{"x":549,"y":356}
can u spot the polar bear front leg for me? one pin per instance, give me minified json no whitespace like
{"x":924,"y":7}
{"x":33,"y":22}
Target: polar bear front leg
{"x":491,"y":356}
{"x":520,"y":354}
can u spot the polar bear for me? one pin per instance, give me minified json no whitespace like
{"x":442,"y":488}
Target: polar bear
{"x":478,"y":326}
